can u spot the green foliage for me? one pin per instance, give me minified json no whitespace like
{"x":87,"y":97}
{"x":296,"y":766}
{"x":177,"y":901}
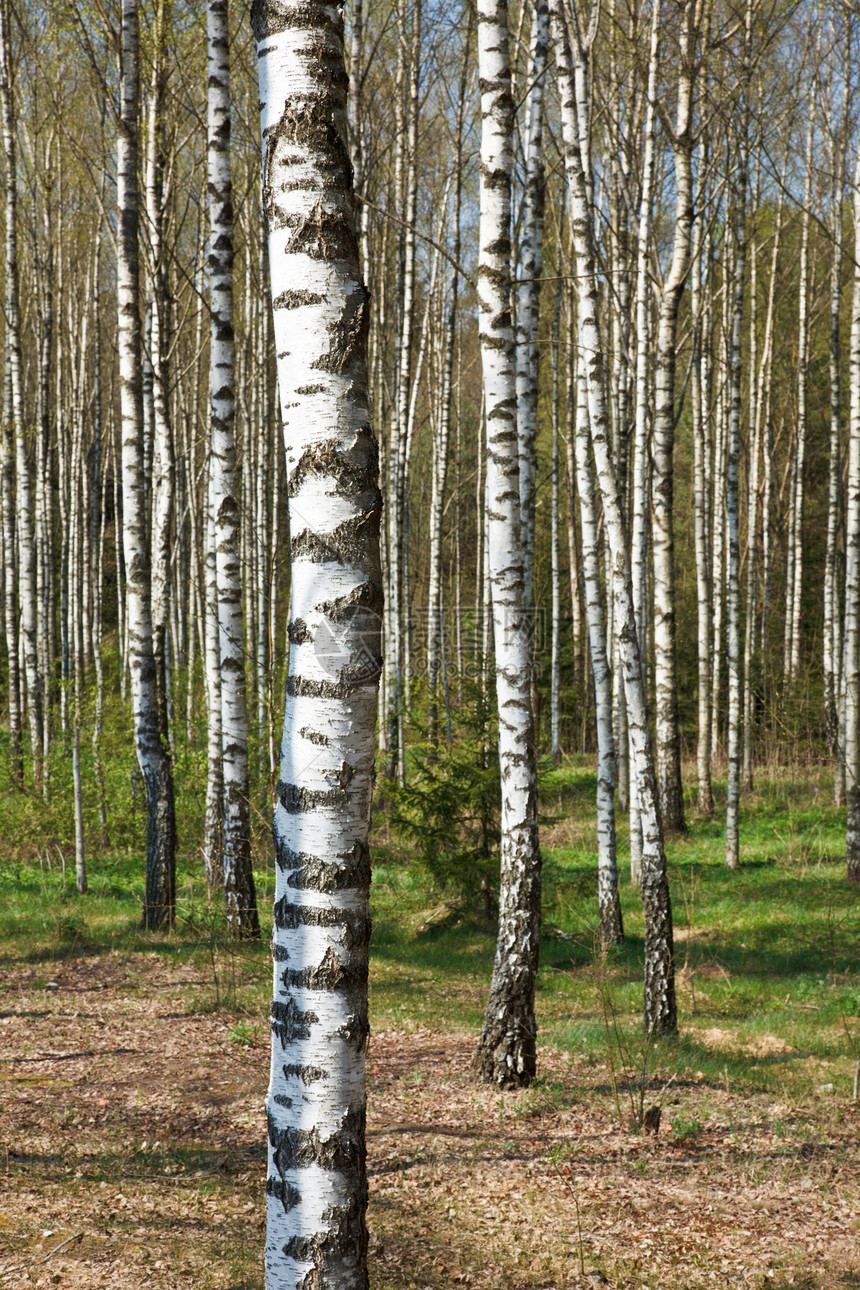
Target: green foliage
{"x":446,"y":816}
{"x":246,"y":1034}
{"x":686,"y":1126}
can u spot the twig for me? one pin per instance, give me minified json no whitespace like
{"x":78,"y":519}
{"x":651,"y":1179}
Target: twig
{"x":69,"y":1241}
{"x":566,"y":1179}
{"x":424,"y":237}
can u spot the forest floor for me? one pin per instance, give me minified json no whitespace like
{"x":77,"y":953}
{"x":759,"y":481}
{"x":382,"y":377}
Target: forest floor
{"x":133,"y":1069}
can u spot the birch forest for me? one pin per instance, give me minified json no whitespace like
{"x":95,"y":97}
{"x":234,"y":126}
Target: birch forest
{"x":404,"y":402}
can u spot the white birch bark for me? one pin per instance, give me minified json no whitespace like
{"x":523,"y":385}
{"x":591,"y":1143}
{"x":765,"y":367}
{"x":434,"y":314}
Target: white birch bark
{"x":26,"y":547}
{"x":668,"y":738}
{"x":162,"y":484}
{"x":611,"y":925}
{"x":441,"y":453}
{"x":153,"y":758}
{"x":832,"y":625}
{"x":506,"y":1050}
{"x":555,"y":535}
{"x":640,"y":508}
{"x":10,"y":597}
{"x":236,"y":872}
{"x":660,"y":1014}
{"x":754,"y":421}
{"x":701,"y":446}
{"x":528,"y":286}
{"x":718,"y":513}
{"x":317,"y":1187}
{"x":397,"y":646}
{"x":43,"y":266}
{"x":794,"y":599}
{"x":735,"y":341}
{"x":852,"y":570}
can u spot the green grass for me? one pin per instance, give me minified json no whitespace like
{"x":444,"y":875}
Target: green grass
{"x":767,"y":957}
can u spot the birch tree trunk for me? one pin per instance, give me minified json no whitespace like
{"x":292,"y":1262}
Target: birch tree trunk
{"x":10,"y":595}
{"x":555,"y":534}
{"x":237,"y":874}
{"x":162,"y":485}
{"x":528,"y":288}
{"x":26,"y":547}
{"x":435,"y":651}
{"x":611,"y":924}
{"x":852,"y":570}
{"x":506,"y":1050}
{"x":668,"y":735}
{"x":733,"y":606}
{"x":794,"y":598}
{"x":750,"y":634}
{"x":660,"y":1012}
{"x":317,"y":1185}
{"x":832,"y":626}
{"x":153,"y":758}
{"x":701,"y":446}
{"x":640,"y":508}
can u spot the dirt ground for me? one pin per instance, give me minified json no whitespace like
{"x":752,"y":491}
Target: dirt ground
{"x":132,"y":1155}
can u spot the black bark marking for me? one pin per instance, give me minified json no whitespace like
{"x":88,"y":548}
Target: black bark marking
{"x":366,"y":596}
{"x":354,"y":927}
{"x":294,"y":299}
{"x":345,"y":544}
{"x":351,"y":680}
{"x":354,"y":469}
{"x":346,"y":979}
{"x":314,"y":736}
{"x":348,"y":335}
{"x":311,"y":873}
{"x":307,"y":1074}
{"x":286,"y":1193}
{"x":295,"y":799}
{"x":343,"y":1152}
{"x":269,"y":18}
{"x":326,"y":235}
{"x":298,"y":632}
{"x":290,"y":1023}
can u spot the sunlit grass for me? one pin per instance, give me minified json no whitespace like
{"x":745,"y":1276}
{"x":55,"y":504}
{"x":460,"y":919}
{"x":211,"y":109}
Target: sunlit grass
{"x":767,"y":957}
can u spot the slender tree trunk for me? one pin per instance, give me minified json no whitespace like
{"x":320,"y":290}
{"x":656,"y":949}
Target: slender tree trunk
{"x":26,"y":547}
{"x":701,"y":437}
{"x":750,"y":634}
{"x":718,"y":514}
{"x":153,"y":758}
{"x":832,"y":626}
{"x":10,"y":594}
{"x":611,"y":925}
{"x":739,"y":201}
{"x":794,"y":600}
{"x":660,"y":1013}
{"x":441,"y":453}
{"x":668,"y":736}
{"x":506,"y":1051}
{"x":555,"y":535}
{"x":98,"y":540}
{"x":528,"y":287}
{"x":640,"y":509}
{"x":162,"y":482}
{"x":317,"y":1183}
{"x":237,"y":874}
{"x":852,"y":570}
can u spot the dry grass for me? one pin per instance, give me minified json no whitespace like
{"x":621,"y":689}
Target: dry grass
{"x":134,"y":1126}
